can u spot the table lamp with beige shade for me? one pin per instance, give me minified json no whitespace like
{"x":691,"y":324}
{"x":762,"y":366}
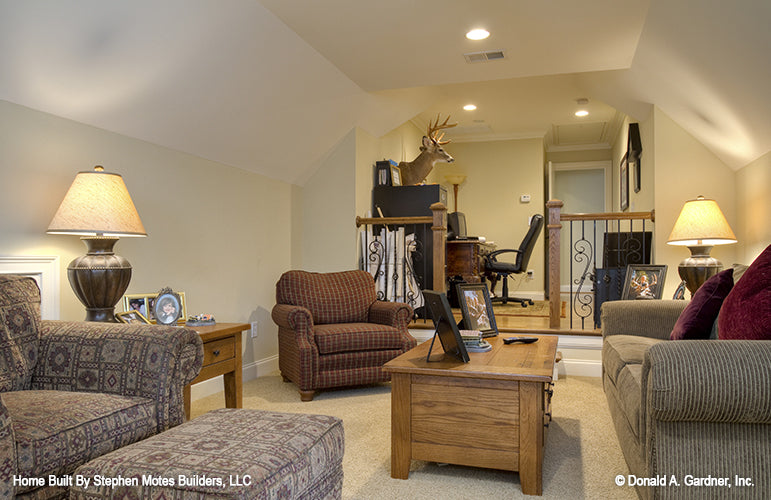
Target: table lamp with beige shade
{"x":456,"y":180}
{"x":700,"y":226}
{"x":99,"y":208}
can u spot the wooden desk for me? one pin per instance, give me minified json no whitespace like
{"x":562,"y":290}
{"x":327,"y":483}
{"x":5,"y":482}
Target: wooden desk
{"x":465,"y":258}
{"x":490,"y":412}
{"x":221,"y":356}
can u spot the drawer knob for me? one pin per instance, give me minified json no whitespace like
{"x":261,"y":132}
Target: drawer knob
{"x":216,"y":353}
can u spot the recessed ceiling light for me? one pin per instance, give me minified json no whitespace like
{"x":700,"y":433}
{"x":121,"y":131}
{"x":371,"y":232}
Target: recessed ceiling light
{"x":469,"y":107}
{"x":582,"y":112}
{"x":477,"y":34}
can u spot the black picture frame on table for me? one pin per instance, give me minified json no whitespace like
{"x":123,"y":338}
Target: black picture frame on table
{"x":477,"y":308}
{"x":644,"y":282}
{"x":624,"y":184}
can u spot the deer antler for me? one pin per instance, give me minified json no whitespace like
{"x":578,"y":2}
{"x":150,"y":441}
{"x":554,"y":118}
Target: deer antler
{"x":432,"y":129}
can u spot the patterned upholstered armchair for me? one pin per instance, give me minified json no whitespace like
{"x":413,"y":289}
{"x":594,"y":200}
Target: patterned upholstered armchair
{"x":72,"y":391}
{"x":332,"y":332}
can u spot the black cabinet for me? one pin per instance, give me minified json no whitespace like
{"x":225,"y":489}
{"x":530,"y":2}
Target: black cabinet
{"x":412,"y":201}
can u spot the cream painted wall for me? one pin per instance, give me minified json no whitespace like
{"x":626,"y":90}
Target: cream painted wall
{"x":497,"y":173}
{"x":753,"y":206}
{"x":684,"y":169}
{"x":219,"y":234}
{"x":328,"y":207}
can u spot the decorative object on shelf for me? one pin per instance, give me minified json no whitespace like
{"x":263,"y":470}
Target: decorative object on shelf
{"x":98,"y":207}
{"x":624,"y":184}
{"x":680,"y":291}
{"x":700,"y":226}
{"x":456,"y":180}
{"x":201,"y":320}
{"x":431,"y":152}
{"x":134,"y":317}
{"x":643,"y":282}
{"x":168,"y":307}
{"x":396,"y":176}
{"x":145,"y":304}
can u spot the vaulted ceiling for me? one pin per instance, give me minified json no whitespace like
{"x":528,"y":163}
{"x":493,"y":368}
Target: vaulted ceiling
{"x":271,"y":85}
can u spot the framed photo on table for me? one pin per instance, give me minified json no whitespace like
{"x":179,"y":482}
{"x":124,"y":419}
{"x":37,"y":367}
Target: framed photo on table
{"x":643,"y":282}
{"x":477,"y":308}
{"x":145,"y":303}
{"x":132,"y":317}
{"x":167,"y":308}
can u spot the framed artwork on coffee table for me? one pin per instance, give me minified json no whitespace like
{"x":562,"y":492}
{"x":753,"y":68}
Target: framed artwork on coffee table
{"x":477,"y":308}
{"x":643,"y":282}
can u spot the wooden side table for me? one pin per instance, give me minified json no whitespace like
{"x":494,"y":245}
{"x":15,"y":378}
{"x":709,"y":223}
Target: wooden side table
{"x":221,"y":356}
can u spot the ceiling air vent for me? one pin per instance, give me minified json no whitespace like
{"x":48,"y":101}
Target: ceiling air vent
{"x":488,"y":55}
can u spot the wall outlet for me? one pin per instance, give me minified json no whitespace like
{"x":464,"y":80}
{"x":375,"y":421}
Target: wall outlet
{"x":530,"y":274}
{"x":255,"y":330}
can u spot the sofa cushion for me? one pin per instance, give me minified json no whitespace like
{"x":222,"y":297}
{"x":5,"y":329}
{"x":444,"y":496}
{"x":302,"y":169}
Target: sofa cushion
{"x":19,"y":330}
{"x":619,"y":351}
{"x":347,"y":337}
{"x":342,"y":297}
{"x":696,"y":321}
{"x":746,"y":312}
{"x":56,"y":431}
{"x":629,"y":396}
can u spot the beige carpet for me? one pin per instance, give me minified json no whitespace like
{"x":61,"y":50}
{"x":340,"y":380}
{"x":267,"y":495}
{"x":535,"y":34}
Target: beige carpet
{"x":582,"y":457}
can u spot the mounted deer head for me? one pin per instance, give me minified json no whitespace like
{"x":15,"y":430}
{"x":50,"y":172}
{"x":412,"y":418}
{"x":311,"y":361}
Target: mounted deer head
{"x":415,"y":171}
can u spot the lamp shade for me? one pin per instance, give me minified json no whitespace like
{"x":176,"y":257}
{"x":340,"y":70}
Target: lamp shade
{"x":701,"y":223}
{"x":97,"y":203}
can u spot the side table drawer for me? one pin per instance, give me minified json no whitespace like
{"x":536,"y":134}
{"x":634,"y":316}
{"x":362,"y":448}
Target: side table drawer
{"x":218,"y":350}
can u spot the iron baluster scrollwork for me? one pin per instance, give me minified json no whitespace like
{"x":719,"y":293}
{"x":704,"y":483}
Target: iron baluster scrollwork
{"x":582,"y":300}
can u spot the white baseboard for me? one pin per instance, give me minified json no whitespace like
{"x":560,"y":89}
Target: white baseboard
{"x":249,"y":372}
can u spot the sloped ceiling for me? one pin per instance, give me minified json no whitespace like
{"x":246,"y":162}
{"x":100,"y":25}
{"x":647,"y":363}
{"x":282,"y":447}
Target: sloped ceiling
{"x":271,"y":86}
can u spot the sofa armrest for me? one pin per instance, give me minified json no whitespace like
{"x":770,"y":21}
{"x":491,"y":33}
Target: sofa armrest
{"x":644,"y":318}
{"x":295,"y":318}
{"x":396,"y":314}
{"x":8,"y":464}
{"x":151,"y":361}
{"x":708,"y":381}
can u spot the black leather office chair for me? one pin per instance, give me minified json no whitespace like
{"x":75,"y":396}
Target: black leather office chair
{"x":495,"y":269}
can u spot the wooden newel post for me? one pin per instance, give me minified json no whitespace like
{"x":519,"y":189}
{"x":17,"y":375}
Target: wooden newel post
{"x":439,"y":228}
{"x":554,"y":227}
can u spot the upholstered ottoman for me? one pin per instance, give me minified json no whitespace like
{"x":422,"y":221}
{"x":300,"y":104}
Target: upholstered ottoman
{"x":226,"y":453}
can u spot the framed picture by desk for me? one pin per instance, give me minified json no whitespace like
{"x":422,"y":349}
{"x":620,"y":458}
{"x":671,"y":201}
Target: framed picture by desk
{"x":477,"y":308}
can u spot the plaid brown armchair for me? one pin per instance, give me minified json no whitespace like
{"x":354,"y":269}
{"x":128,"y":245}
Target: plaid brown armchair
{"x":332,"y":332}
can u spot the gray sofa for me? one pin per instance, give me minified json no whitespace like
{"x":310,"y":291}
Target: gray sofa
{"x":686,"y":409}
{"x":73,"y":391}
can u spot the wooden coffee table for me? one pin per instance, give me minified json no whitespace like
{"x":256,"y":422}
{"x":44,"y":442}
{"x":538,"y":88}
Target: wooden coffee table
{"x":491,"y":412}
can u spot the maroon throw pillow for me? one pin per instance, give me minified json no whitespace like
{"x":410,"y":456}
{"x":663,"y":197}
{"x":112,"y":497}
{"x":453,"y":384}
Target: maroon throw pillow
{"x":746,"y":312}
{"x":696,"y":320}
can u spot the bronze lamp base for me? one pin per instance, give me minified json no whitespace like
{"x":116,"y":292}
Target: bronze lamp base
{"x":99,"y":278}
{"x":698,"y":268}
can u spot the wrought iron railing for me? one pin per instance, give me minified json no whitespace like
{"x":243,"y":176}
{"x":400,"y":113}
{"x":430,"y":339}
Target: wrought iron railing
{"x":593,"y":250}
{"x":404,"y":255}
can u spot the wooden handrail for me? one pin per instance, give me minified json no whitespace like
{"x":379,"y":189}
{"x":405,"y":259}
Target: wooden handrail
{"x":610,"y":216}
{"x":393,"y":221}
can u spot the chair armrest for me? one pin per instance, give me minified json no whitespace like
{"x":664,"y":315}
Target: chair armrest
{"x":644,"y":318}
{"x":396,"y":314}
{"x":708,"y":381}
{"x":8,"y":463}
{"x":295,"y":318}
{"x":493,"y":255}
{"x":151,"y":361}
